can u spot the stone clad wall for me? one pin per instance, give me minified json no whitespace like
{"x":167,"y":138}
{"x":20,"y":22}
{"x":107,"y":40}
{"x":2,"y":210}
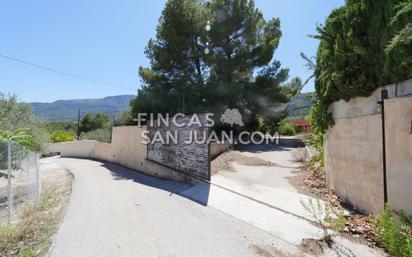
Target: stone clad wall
{"x":353,"y":150}
{"x":191,"y":158}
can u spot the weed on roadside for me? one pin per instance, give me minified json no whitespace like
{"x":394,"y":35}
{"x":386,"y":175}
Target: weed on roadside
{"x":394,"y":232}
{"x":326,"y":218}
{"x":30,"y":236}
{"x":321,"y":214}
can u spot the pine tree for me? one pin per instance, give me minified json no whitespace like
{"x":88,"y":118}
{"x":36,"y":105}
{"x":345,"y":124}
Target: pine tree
{"x":208,"y":56}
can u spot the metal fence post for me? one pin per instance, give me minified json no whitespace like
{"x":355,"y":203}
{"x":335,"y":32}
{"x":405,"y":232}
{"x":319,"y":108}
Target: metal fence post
{"x":28,"y":167}
{"x":9,"y":186}
{"x":38,"y":178}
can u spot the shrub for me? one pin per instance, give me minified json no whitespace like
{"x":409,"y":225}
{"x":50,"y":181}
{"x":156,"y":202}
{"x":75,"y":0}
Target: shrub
{"x":394,"y":237}
{"x":21,"y":141}
{"x":286,"y":128}
{"x":61,"y":136}
{"x":18,"y":124}
{"x":22,"y":137}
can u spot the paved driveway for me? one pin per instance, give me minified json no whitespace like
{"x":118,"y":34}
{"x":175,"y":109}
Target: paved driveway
{"x":269,"y":181}
{"x":117,"y":212}
{"x":256,"y":188}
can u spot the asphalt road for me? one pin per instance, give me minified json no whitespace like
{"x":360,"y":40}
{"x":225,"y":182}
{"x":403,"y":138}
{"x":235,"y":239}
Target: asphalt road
{"x":117,"y":212}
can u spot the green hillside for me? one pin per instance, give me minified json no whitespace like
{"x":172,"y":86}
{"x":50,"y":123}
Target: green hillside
{"x":66,"y":110}
{"x":299,"y":106}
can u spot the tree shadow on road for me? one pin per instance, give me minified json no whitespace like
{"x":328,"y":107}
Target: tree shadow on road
{"x":284,"y":145}
{"x":122,"y":173}
{"x":198,"y":193}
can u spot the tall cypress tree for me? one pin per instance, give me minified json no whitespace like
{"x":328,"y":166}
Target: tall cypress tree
{"x":351,"y":59}
{"x":364,"y":45}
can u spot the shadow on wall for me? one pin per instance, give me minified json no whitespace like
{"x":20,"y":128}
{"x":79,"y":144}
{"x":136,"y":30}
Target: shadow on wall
{"x":198,"y":193}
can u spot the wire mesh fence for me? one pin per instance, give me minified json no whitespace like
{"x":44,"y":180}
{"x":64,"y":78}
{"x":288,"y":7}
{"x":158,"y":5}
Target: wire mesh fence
{"x":19,"y":178}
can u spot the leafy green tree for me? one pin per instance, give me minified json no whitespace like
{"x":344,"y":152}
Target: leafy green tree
{"x":211,"y":56}
{"x":177,"y":59}
{"x":124,"y":118}
{"x":92,"y":122}
{"x":286,"y":128}
{"x":17,"y":123}
{"x":53,"y":126}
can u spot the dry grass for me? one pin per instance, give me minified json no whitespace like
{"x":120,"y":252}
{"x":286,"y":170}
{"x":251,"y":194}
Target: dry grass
{"x":30,"y":236}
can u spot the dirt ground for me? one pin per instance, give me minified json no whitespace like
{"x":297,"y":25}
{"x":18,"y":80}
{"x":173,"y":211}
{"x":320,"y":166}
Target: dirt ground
{"x":301,"y":178}
{"x":53,"y":178}
{"x":225,"y":160}
{"x":358,"y":227}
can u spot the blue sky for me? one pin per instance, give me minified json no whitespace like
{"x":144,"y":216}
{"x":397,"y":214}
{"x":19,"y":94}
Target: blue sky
{"x":105,"y":40}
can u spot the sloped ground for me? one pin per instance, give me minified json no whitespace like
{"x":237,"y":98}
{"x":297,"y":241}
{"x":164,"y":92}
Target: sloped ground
{"x":260,"y":176}
{"x":36,"y":220}
{"x":52,"y":176}
{"x":114,"y":211}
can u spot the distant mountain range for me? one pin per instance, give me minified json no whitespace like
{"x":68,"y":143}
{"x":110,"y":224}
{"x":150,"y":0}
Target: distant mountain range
{"x":300,"y":105}
{"x":66,"y":110}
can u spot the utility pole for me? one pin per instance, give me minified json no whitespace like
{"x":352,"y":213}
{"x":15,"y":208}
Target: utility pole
{"x":78,"y":125}
{"x":9,"y":186}
{"x":113,"y":124}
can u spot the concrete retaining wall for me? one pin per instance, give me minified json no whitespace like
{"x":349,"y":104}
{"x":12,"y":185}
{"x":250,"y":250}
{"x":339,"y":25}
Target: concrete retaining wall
{"x":353,"y":162}
{"x":398,"y":119}
{"x":353,"y":150}
{"x":217,"y":149}
{"x":126,"y":149}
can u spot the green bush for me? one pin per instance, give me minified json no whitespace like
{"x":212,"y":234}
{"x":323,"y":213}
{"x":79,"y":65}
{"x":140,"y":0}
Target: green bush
{"x":61,"y":136}
{"x":27,"y":253}
{"x":22,"y":137}
{"x":18,"y":123}
{"x":395,"y":237}
{"x":286,"y":128}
